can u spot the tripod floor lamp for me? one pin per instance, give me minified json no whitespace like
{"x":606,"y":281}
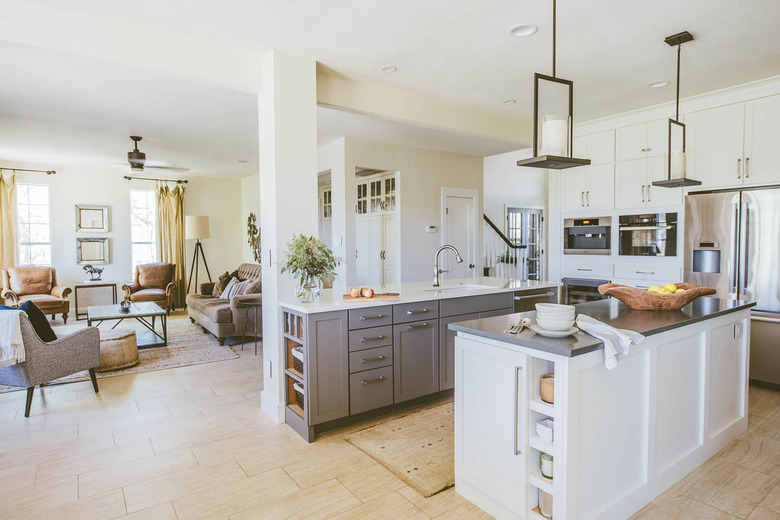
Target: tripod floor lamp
{"x":197,"y":228}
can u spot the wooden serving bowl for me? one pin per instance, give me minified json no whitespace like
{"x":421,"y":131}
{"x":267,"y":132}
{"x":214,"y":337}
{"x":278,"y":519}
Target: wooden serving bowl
{"x":642,"y":300}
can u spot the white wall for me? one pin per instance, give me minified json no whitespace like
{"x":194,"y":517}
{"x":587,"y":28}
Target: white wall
{"x":421,"y":175}
{"x":77,"y":185}
{"x":508,"y":185}
{"x":250,"y":203}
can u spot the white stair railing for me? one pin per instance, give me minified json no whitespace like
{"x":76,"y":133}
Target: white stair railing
{"x":502,"y":258}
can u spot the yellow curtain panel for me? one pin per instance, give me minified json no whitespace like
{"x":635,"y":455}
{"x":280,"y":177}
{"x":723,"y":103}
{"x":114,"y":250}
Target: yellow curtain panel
{"x":7,"y":221}
{"x":170,"y":235}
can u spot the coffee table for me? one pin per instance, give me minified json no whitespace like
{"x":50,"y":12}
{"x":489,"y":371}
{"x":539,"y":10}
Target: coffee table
{"x":140,"y":311}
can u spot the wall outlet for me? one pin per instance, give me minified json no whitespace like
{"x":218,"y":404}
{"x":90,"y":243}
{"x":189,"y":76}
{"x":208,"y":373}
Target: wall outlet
{"x":430,"y":229}
{"x":337,"y":241}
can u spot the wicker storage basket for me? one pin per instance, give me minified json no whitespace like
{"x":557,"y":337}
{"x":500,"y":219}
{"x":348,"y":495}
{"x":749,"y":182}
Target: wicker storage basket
{"x":299,"y":394}
{"x":297,"y":354}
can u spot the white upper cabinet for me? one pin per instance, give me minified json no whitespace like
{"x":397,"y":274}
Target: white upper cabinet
{"x":714,"y":142}
{"x":657,"y":169}
{"x":574,"y":184}
{"x":588,"y":188}
{"x":598,"y":147}
{"x":762,"y":138}
{"x":631,"y":183}
{"x":642,"y":140}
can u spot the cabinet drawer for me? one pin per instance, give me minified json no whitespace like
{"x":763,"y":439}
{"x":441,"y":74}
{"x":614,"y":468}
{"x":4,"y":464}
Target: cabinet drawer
{"x":370,"y":358}
{"x":415,"y":311}
{"x":483,"y":302}
{"x":585,"y":270}
{"x":370,"y":338}
{"x":370,"y":317}
{"x":370,"y":390}
{"x":658,"y":274}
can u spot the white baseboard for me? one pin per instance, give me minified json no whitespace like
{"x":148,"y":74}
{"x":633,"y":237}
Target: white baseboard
{"x":272,"y":408}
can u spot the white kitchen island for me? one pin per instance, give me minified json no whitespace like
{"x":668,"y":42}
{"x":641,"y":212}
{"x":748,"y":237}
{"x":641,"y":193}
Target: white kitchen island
{"x":622,"y":436}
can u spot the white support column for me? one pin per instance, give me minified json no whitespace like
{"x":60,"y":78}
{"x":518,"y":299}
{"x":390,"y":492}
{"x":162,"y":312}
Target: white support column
{"x":287,"y":108}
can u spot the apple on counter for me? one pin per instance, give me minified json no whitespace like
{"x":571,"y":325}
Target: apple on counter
{"x":354,"y":292}
{"x":365,"y":292}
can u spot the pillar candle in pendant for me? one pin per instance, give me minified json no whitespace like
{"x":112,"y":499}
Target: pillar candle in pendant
{"x":678,"y":165}
{"x":555,"y":135}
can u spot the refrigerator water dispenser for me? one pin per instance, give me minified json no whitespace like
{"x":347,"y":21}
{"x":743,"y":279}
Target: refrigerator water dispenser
{"x":706,"y":260}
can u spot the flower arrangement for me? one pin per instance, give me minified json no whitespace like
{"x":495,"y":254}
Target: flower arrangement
{"x":311,"y":262}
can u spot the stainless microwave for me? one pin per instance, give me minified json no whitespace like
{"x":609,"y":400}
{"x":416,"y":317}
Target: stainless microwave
{"x":648,"y":234}
{"x":587,"y":236}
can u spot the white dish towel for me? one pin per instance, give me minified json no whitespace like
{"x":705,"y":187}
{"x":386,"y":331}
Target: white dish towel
{"x":616,"y":341}
{"x":11,"y":344}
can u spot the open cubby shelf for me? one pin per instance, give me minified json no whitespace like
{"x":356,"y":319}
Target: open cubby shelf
{"x":294,"y":374}
{"x":293,"y":334}
{"x":537,"y":480}
{"x":536,"y":514}
{"x":540,"y":444}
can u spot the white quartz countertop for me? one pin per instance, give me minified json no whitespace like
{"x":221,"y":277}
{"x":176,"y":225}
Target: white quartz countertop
{"x":333,"y":299}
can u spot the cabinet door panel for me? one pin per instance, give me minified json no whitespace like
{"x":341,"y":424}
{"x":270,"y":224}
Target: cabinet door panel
{"x":447,"y":349}
{"x":762,"y":135}
{"x":657,"y":137}
{"x":727,"y":384}
{"x":715,"y":140}
{"x":601,"y":147}
{"x":631,"y":142}
{"x":657,"y":171}
{"x":363,"y":250}
{"x":390,"y":248}
{"x":574,"y":183}
{"x":631,"y":184}
{"x":371,"y":390}
{"x":416,"y":359}
{"x":327,"y":370}
{"x":601,"y":187}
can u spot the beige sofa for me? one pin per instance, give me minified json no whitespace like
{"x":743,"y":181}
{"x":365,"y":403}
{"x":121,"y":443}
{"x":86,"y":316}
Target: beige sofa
{"x":224,"y":318}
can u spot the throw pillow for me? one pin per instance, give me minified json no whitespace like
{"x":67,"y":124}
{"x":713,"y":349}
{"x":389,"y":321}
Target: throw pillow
{"x":37,"y":320}
{"x":220,"y":284}
{"x":234,"y":288}
{"x":255,"y":287}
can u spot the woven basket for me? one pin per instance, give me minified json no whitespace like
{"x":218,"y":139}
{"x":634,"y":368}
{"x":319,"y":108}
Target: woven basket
{"x":642,"y":300}
{"x":118,"y":349}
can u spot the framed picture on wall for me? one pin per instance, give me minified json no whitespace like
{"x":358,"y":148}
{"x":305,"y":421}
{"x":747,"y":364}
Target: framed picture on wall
{"x":92,"y":251}
{"x":91,"y":219}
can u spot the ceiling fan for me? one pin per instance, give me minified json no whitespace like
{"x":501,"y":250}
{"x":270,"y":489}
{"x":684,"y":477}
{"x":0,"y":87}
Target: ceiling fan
{"x":137,"y":159}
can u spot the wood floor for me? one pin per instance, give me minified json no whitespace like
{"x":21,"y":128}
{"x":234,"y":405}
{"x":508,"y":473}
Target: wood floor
{"x":192,"y":443}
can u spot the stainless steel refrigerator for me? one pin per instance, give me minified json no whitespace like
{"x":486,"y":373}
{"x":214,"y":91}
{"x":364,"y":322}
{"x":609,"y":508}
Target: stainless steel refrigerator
{"x":732,"y":243}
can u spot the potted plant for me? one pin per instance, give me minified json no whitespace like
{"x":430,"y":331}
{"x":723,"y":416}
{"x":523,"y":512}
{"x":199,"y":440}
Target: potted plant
{"x":311,"y":263}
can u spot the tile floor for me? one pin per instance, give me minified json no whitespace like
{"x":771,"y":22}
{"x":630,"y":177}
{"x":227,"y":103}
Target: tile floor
{"x":192,"y":443}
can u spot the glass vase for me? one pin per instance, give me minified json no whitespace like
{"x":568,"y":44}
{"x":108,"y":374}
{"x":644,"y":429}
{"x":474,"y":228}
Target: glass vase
{"x":307,"y":290}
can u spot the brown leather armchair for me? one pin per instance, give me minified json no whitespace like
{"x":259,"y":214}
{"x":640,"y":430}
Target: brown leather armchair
{"x":153,"y":283}
{"x":38,"y":284}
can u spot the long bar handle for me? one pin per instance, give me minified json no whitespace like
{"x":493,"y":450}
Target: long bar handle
{"x":582,"y":269}
{"x":644,"y":272}
{"x":747,"y":167}
{"x":734,"y":268}
{"x":420,"y":326}
{"x":517,"y":412}
{"x":582,"y":199}
{"x":739,"y":168}
{"x":372,"y":381}
{"x":587,"y":197}
{"x":372,"y":360}
{"x":422,"y":311}
{"x":518,"y":298}
{"x":744,"y":238}
{"x":643,"y":192}
{"x":377,"y":317}
{"x":374,"y":338}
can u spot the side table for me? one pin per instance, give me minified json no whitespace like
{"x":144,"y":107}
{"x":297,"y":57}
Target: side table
{"x":247,"y":304}
{"x":89,"y":285}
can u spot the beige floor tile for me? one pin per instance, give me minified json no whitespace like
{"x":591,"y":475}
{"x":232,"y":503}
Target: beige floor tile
{"x":234,"y":497}
{"x":267,"y":458}
{"x":743,"y":492}
{"x":237,"y":445}
{"x":194,"y":436}
{"x":770,"y":427}
{"x":372,"y":482}
{"x":763,"y":402}
{"x":23,"y":441}
{"x":31,"y":499}
{"x":436,"y":505}
{"x":465,"y":512}
{"x":100,"y":507}
{"x":388,"y":507}
{"x":121,"y":475}
{"x":76,"y":464}
{"x":681,"y":508}
{"x":754,"y":451}
{"x":706,"y":481}
{"x":760,"y":513}
{"x":772,"y":500}
{"x":183,"y":483}
{"x":318,"y":502}
{"x":160,"y":512}
{"x":167,"y":425}
{"x":331,"y":464}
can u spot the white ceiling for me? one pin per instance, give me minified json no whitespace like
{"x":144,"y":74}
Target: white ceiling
{"x":64,"y":109}
{"x":332,"y":124}
{"x":462,"y":49}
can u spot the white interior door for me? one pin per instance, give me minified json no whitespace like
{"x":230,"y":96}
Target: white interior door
{"x":362,"y":247}
{"x":375,"y":239}
{"x":460,"y":230}
{"x":390,"y":256}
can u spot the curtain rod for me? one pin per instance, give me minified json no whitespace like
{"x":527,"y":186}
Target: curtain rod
{"x":182,"y":181}
{"x":47,"y":172}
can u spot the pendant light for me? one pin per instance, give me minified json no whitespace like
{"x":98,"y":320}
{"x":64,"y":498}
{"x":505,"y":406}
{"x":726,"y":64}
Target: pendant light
{"x":675,"y":152}
{"x":555,"y":108}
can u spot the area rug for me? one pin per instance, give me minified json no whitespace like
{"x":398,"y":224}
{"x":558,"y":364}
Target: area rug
{"x":418,"y":448}
{"x":187,"y":345}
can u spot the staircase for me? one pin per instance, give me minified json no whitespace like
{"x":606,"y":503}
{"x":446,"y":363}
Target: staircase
{"x":502,"y":258}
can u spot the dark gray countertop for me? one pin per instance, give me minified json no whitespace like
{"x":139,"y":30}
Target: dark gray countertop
{"x":611,"y":312}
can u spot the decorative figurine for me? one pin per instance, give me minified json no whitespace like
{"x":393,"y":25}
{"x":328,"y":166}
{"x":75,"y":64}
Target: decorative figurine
{"x":94,"y":272}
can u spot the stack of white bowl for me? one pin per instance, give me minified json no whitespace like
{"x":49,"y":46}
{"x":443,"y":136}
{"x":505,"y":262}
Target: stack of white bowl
{"x":555,"y":317}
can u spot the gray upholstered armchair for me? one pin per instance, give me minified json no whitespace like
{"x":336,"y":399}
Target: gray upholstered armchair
{"x":46,"y":362}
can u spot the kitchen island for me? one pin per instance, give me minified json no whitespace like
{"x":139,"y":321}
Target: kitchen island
{"x":622,"y":436}
{"x":347,"y":360}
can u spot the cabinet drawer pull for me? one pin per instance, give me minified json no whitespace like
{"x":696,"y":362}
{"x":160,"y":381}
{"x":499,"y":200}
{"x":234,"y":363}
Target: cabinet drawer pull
{"x":587,"y":198}
{"x":374,"y":338}
{"x":372,"y":381}
{"x":582,"y":199}
{"x":373,"y":359}
{"x":643,"y":192}
{"x":739,"y":168}
{"x":421,"y":311}
{"x":518,"y":451}
{"x":582,"y":269}
{"x":644,"y":272}
{"x":420,"y":326}
{"x":377,"y":317}
{"x":747,"y":167}
{"x":540,"y":295}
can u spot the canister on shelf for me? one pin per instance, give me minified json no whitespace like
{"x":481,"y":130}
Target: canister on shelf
{"x":547,"y":388}
{"x":545,"y":504}
{"x":547,"y":465}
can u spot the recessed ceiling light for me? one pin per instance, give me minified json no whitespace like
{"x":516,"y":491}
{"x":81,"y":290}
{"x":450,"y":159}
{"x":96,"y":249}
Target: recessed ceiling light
{"x":389,"y":68}
{"x":510,"y":101}
{"x":524,"y":30}
{"x":658,"y":84}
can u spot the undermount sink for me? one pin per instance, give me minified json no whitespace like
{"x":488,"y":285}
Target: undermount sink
{"x":460,"y":287}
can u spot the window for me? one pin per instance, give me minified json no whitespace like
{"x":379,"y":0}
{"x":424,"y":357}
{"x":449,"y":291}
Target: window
{"x":33,"y":220}
{"x":143,"y":227}
{"x":524,"y":226}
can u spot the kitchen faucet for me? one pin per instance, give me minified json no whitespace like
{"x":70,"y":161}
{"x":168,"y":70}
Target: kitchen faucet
{"x":436,"y":270}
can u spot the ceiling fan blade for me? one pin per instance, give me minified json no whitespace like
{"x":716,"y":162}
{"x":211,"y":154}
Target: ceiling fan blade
{"x":168,"y":168}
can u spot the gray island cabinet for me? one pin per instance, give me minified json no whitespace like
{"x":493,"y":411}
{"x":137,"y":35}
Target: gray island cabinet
{"x":371,"y":357}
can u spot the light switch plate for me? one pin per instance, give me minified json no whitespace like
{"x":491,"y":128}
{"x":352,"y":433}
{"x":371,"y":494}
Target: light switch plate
{"x":430,"y":229}
{"x":337,"y":241}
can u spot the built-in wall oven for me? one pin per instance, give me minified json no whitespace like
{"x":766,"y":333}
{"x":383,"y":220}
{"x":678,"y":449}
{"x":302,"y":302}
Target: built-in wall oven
{"x":587,"y":236}
{"x":581,"y":290}
{"x":649,"y":234}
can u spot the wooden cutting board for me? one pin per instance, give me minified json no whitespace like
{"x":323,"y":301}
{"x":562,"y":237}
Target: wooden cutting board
{"x":376,"y":297}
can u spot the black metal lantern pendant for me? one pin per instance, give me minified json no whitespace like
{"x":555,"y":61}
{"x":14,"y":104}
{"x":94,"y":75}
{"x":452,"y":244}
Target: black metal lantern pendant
{"x":675,"y":153}
{"x":553,"y":120}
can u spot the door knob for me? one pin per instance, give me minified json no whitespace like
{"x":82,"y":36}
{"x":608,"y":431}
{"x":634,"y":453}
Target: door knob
{"x":471,"y":266}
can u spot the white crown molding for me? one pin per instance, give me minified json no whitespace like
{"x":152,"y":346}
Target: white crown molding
{"x":754,"y":90}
